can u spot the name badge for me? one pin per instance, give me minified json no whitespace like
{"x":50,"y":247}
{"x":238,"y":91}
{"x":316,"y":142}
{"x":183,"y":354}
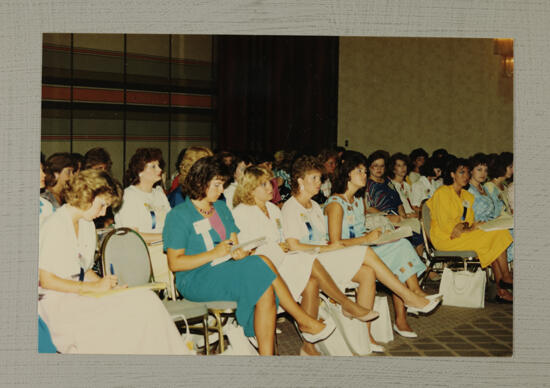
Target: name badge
{"x":203,"y":227}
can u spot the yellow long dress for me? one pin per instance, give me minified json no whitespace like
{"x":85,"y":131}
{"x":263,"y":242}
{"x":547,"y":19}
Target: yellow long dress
{"x":446,"y":212}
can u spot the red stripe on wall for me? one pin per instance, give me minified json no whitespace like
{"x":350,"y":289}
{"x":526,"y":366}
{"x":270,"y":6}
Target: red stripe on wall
{"x":192,"y":100}
{"x":116,"y":137}
{"x":56,"y":93}
{"x":98,"y":95}
{"x":63,"y":93}
{"x":146,"y":98}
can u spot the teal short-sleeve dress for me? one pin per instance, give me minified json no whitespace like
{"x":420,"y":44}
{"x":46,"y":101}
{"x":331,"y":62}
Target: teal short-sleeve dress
{"x":243,"y":281}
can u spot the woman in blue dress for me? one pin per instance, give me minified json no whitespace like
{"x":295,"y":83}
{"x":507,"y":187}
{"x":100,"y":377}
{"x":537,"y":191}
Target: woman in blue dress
{"x":381,"y":196}
{"x":346,"y":224}
{"x":202,"y":229}
{"x":487,"y":204}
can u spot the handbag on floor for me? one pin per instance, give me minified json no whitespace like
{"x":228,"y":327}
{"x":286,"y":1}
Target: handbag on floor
{"x":354,"y":332}
{"x":381,"y":328}
{"x":238,"y":342}
{"x":463,"y":288}
{"x":335,"y":344}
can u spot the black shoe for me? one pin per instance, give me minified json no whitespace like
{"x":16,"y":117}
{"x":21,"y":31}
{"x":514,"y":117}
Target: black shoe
{"x":506,"y":285}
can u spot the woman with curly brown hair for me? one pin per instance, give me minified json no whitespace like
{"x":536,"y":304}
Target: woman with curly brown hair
{"x":201,"y":230}
{"x":132,"y":322}
{"x":144,"y":205}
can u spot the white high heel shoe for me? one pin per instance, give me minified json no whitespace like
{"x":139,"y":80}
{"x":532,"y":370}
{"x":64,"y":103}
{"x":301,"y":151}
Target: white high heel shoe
{"x":424,"y":310}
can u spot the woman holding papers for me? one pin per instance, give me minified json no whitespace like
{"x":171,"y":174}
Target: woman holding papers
{"x":346,"y":225}
{"x":201,"y":230}
{"x":257,"y":217}
{"x":130,"y":322}
{"x":304,"y":228}
{"x":453,"y":226}
{"x":487,"y":205}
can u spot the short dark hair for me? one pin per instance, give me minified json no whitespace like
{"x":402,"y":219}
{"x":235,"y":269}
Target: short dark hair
{"x":453,"y":163}
{"x":97,"y":156}
{"x":427,"y":169}
{"x":138,"y":161}
{"x":440,"y":153}
{"x":78,"y":161}
{"x":479,"y":159}
{"x":416,"y":153}
{"x":507,"y":158}
{"x":378,"y":154}
{"x":55,"y":164}
{"x":201,"y":173}
{"x":300,"y":168}
{"x":350,"y":160}
{"x":497,"y":166}
{"x":393,"y":160}
{"x":326,"y":154}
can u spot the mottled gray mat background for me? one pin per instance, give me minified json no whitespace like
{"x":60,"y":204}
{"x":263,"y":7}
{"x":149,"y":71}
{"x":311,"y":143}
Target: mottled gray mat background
{"x":21,"y":26}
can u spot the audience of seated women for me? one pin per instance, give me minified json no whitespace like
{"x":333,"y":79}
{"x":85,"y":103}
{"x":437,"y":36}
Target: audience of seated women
{"x":133,"y":321}
{"x":304,"y":228}
{"x":201,"y":230}
{"x":346,"y":224}
{"x":453,"y":226}
{"x":59,"y":169}
{"x":257,"y":217}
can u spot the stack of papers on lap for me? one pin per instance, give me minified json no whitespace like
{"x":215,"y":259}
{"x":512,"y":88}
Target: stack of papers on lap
{"x":149,"y":286}
{"x":392,"y":236}
{"x":245,"y":245}
{"x":413,"y":223}
{"x":499,"y":223}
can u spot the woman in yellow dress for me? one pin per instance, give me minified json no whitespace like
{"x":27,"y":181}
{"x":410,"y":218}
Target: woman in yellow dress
{"x":453,"y":226}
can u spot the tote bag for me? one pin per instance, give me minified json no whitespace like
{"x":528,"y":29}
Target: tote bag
{"x":463,"y":288}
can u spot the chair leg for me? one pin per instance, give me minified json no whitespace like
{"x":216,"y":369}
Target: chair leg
{"x":219,"y":328}
{"x":276,"y":342}
{"x":206,"y":336}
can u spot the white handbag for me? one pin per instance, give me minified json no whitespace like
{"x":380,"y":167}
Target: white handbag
{"x":381,"y":328}
{"x":463,"y":288}
{"x":335,"y":344}
{"x":239,"y":345}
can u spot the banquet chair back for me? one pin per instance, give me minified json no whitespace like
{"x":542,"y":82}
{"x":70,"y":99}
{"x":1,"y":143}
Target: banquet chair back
{"x":433,"y":255}
{"x":125,"y":254}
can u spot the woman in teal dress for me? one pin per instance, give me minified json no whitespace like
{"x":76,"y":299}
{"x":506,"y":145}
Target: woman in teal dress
{"x":202,"y":229}
{"x":345,"y":210}
{"x":487,"y":203}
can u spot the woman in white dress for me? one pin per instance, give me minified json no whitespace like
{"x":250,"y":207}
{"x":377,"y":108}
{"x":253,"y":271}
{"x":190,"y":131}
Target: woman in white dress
{"x":144,"y":204}
{"x":304,"y":227}
{"x":257,"y":217}
{"x":129,"y":322}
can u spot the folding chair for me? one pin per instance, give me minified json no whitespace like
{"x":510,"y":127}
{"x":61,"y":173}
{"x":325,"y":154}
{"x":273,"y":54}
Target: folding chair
{"x":434,"y":256}
{"x":124,"y":251}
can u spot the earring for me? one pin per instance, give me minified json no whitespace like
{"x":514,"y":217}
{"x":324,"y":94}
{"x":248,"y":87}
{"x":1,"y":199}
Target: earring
{"x":301,"y":187}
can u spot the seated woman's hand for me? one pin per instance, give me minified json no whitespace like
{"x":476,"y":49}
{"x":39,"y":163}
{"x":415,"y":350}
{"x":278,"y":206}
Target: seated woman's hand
{"x":284,"y":246}
{"x":222,"y":248}
{"x":394,"y":218}
{"x":239,"y":254}
{"x":106,"y":283}
{"x":373,"y":235}
{"x":459,"y":229}
{"x":332,"y":247}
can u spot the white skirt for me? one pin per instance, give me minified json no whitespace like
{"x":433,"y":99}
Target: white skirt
{"x":343,"y":264}
{"x":131,"y":322}
{"x":295,"y":267}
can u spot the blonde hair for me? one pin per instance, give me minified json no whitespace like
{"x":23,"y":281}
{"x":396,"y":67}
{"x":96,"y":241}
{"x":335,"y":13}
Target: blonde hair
{"x":81,"y":190}
{"x":251,"y":178}
{"x":190,"y":157}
